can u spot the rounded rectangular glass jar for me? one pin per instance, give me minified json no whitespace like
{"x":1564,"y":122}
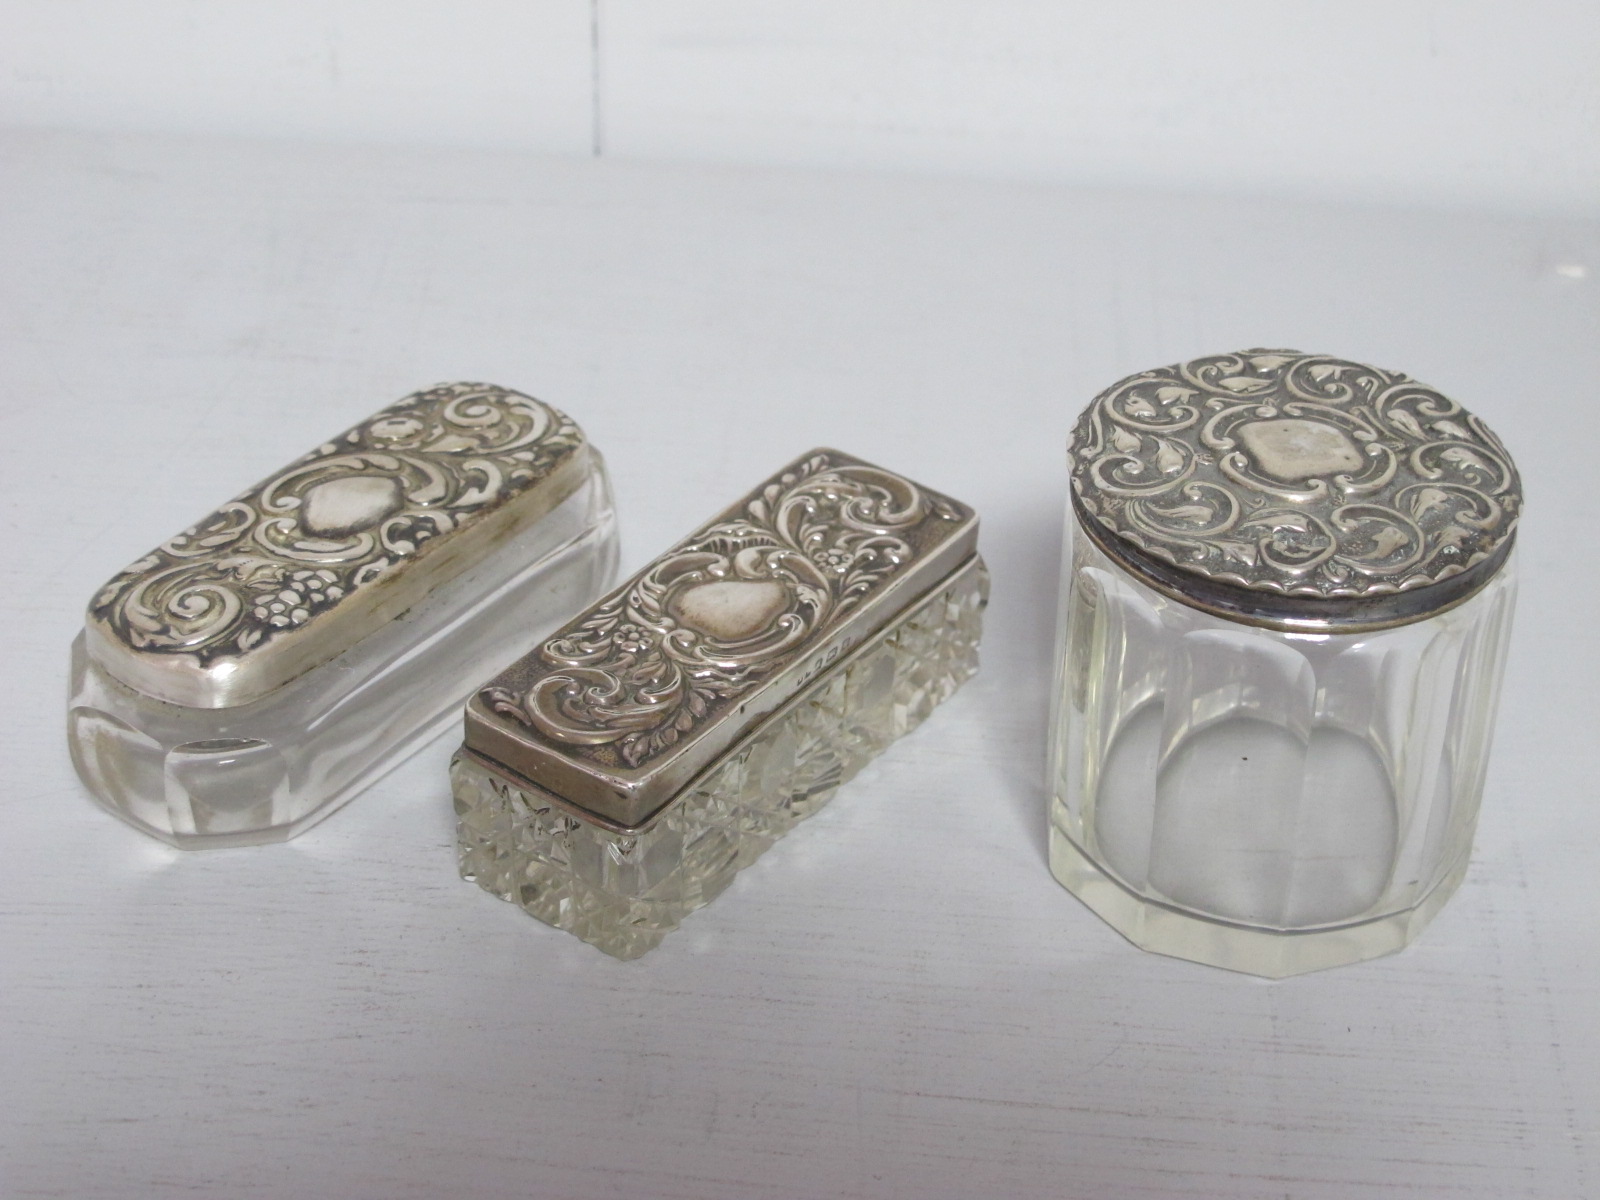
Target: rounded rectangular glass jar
{"x":1265,"y":801}
{"x":264,"y":772}
{"x":256,"y":671}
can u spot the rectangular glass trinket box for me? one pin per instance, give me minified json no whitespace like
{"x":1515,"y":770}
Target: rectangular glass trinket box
{"x":617,"y":777}
{"x":253,"y":673}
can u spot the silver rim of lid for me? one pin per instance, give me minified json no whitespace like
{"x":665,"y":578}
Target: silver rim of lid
{"x":1298,"y":492}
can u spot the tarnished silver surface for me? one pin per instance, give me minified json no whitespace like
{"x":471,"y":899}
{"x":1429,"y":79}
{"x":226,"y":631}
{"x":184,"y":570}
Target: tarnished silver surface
{"x":1295,"y":490}
{"x":294,"y":571}
{"x":630,"y":701}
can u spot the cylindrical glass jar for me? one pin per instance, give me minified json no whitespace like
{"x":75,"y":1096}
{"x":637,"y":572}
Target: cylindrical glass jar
{"x":1284,"y":615}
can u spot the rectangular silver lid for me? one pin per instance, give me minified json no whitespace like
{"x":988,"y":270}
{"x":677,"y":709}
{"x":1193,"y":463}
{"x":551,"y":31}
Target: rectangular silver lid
{"x":623,"y":707}
{"x":305,"y":564}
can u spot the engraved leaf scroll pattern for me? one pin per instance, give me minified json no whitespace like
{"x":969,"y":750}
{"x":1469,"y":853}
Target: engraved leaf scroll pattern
{"x":720,"y":613}
{"x":294,"y":546}
{"x":1295,"y":473}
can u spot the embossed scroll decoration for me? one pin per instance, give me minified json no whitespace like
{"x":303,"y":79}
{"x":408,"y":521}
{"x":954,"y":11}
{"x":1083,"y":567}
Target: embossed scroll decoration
{"x":1294,"y":473}
{"x":723,"y":611}
{"x":333,"y":523}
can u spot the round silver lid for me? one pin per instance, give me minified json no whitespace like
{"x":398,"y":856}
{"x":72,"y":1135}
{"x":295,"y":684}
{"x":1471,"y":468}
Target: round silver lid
{"x":1296,"y":491}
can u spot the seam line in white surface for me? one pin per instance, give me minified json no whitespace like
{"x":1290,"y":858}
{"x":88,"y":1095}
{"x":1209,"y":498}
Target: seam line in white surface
{"x":596,"y":127}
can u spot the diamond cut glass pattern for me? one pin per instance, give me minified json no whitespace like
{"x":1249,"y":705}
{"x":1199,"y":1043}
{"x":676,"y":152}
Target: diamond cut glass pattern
{"x":624,"y":890}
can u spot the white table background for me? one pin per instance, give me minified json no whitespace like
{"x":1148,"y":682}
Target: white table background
{"x":898,"y":1001}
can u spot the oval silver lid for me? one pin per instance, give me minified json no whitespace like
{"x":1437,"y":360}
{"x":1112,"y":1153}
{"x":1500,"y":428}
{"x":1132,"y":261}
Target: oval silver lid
{"x":1295,"y":491}
{"x":293,"y":572}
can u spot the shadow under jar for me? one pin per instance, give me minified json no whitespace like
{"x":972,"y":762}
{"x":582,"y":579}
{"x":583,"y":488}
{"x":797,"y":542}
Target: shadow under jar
{"x":1285,"y":609}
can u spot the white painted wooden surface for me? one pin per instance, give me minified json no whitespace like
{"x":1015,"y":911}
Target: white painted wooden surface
{"x":898,"y":1001}
{"x":509,"y":73}
{"x":1475,"y":102}
{"x":1479,"y":102}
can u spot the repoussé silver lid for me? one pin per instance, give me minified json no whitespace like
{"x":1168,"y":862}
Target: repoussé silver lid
{"x":1295,"y":491}
{"x":299,"y":568}
{"x":620,"y":710}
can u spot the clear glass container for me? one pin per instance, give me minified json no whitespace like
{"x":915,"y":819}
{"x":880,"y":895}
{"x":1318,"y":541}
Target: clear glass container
{"x":1270,"y":802}
{"x":624,"y":890}
{"x":618,"y":776}
{"x":1275,"y":781}
{"x":224,"y":750}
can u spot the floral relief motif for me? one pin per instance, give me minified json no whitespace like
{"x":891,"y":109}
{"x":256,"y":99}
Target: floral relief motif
{"x":304,"y":540}
{"x":1295,"y":473}
{"x":722,"y":611}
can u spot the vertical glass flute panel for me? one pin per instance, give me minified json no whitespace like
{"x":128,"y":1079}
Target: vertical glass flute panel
{"x":1265,"y":801}
{"x":1284,"y":618}
{"x":267,"y":771}
{"x":253,"y":672}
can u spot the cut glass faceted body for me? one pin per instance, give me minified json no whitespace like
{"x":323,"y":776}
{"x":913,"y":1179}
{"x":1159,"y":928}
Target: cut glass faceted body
{"x":623,"y":890}
{"x":266,"y":771}
{"x":1268,"y":802}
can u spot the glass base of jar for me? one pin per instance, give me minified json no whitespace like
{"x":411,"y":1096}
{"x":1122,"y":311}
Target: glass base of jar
{"x":1271,"y":953}
{"x":266,"y":771}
